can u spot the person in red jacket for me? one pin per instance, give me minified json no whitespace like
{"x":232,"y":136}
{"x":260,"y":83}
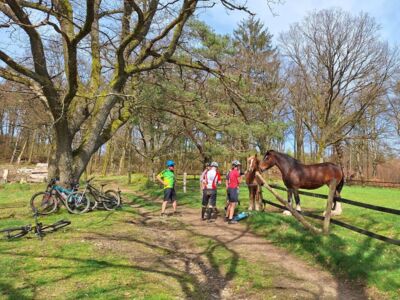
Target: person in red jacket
{"x":210,"y":180}
{"x":233,"y":180}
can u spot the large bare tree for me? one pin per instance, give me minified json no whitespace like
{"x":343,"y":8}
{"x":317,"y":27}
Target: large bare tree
{"x":339,"y":69}
{"x":77,"y":57}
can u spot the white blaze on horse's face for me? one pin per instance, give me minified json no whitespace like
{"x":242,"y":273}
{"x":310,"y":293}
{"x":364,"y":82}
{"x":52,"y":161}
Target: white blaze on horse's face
{"x":250,"y":163}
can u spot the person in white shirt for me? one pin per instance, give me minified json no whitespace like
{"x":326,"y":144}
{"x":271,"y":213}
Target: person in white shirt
{"x":210,"y":180}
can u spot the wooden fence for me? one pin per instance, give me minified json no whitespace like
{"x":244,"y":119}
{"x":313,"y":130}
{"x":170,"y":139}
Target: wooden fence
{"x":340,"y":223}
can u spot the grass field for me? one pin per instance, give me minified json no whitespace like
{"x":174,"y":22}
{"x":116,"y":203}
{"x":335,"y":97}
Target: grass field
{"x":113,"y":255}
{"x":83,"y":262}
{"x":343,"y":252}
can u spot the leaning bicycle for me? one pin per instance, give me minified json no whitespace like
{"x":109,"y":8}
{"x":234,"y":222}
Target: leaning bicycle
{"x":109,"y":200}
{"x":38,"y":228}
{"x":50,"y":200}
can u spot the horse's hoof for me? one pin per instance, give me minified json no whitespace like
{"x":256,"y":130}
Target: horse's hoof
{"x":287,"y":213}
{"x":336,"y":212}
{"x":298,"y":207}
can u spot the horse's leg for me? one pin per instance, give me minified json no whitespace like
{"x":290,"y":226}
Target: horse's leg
{"x":260,"y":198}
{"x":251,"y":199}
{"x":257,"y":198}
{"x":297,"y":198}
{"x":337,"y":206}
{"x":290,"y":193}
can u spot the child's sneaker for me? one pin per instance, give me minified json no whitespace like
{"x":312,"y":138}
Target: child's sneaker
{"x":232,"y":222}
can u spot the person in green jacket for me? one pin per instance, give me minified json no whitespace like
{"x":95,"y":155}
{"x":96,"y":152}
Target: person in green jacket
{"x":167,"y":179}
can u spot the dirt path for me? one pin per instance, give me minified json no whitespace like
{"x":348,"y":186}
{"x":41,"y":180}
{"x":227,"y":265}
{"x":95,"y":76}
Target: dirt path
{"x":288,"y":277}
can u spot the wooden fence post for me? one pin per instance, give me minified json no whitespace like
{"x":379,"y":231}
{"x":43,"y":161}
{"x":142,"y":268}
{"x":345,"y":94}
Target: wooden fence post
{"x":5,"y":176}
{"x":328,"y":211}
{"x":184,"y":181}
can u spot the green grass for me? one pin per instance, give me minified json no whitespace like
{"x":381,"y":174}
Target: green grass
{"x":345,"y":253}
{"x":112,"y":255}
{"x":68,"y":264}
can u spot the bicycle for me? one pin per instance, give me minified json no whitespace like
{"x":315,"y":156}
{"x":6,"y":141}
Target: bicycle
{"x":49,"y":201}
{"x":109,"y":199}
{"x":38,"y":229}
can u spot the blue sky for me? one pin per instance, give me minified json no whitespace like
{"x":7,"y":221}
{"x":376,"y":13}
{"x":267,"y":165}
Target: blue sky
{"x":385,"y":12}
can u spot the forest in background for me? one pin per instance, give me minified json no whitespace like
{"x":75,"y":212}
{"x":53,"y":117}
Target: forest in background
{"x":327,"y":91}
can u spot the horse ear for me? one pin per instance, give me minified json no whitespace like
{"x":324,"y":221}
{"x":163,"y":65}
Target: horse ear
{"x":255,"y":155}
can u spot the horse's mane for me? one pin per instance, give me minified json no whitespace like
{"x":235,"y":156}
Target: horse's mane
{"x":290,"y":159}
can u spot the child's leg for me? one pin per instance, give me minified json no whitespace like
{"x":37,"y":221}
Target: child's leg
{"x":174,"y":205}
{"x":232,"y":206}
{"x":164,"y":206}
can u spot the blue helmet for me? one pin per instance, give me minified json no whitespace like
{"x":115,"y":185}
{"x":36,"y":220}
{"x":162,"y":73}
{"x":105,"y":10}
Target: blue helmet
{"x":170,"y":163}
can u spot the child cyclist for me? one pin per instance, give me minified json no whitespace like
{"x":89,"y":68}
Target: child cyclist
{"x":233,"y":180}
{"x":167,"y":179}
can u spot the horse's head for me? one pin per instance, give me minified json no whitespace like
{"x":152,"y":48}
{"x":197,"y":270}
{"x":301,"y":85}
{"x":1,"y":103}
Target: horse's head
{"x":252,"y":164}
{"x":269,"y":160}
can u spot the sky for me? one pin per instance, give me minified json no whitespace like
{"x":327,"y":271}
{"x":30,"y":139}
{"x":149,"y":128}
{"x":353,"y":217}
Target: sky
{"x":385,"y":12}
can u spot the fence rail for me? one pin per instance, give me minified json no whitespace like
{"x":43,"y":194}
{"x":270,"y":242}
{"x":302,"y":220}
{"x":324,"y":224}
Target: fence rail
{"x":375,"y":183}
{"x":342,"y":224}
{"x":344,"y":200}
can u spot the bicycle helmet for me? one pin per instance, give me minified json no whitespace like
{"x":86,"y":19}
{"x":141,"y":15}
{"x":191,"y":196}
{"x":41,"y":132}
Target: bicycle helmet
{"x":170,"y":163}
{"x":236,"y":163}
{"x":214,"y":164}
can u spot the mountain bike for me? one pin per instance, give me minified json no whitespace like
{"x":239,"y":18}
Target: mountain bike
{"x":38,"y":228}
{"x":108,"y":200}
{"x":50,"y":201}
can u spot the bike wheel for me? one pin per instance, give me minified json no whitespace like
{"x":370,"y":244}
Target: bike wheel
{"x":93,"y":202}
{"x":44,"y":203}
{"x":56,"y":226}
{"x":16,"y":232}
{"x":77,"y":203}
{"x":111,"y":200}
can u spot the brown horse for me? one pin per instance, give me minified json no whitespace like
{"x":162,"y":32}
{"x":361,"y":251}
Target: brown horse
{"x":253,"y":183}
{"x":296,"y":175}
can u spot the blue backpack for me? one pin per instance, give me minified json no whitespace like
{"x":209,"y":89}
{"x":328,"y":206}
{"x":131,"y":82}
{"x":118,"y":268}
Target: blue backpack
{"x":241,"y":216}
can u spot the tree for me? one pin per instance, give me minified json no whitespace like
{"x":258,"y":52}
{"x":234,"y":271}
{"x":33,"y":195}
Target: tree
{"x":257,"y":89}
{"x":341,"y":68}
{"x":84,"y":89}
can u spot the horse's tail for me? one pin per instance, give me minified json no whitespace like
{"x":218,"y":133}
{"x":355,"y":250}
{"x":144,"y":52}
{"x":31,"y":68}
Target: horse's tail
{"x":339,"y":187}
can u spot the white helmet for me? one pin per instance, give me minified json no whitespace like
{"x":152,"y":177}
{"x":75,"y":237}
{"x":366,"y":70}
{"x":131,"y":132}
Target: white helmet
{"x":214,"y":164}
{"x":236,"y":163}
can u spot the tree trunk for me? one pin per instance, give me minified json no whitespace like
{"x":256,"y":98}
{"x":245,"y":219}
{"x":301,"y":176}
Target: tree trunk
{"x":122,"y":159}
{"x":32,"y":148}
{"x":22,"y":152}
{"x":107,"y":158}
{"x":15,"y":149}
{"x":320,"y":153}
{"x":299,"y":137}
